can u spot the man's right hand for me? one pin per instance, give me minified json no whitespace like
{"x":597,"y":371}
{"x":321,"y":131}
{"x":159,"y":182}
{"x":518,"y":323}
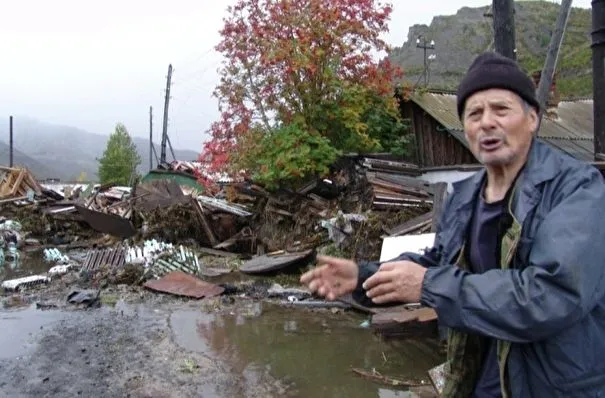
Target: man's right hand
{"x":332,"y":278}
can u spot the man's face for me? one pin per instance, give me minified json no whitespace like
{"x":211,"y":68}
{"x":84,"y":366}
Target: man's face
{"x":498,"y":127}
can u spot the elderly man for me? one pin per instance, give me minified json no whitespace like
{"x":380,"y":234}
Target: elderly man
{"x":517,"y":271}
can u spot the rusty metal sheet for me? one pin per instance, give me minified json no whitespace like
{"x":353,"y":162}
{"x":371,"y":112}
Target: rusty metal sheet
{"x":107,"y":223}
{"x":267,"y":263}
{"x":182,"y":284}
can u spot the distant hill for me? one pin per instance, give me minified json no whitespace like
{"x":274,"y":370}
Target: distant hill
{"x":54,"y":151}
{"x":39,"y":169}
{"x":461,"y":37}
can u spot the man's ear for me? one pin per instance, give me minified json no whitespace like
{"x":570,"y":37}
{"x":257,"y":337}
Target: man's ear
{"x":533,"y":119}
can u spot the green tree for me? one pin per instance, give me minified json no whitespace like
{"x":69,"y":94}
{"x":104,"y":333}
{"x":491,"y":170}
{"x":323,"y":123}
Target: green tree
{"x":120,"y":158}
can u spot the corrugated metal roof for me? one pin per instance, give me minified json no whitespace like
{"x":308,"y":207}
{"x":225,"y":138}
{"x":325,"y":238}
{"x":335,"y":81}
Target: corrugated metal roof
{"x":440,"y":106}
{"x":570,"y":129}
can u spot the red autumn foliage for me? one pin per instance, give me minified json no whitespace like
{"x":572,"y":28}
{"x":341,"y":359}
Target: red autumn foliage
{"x":283,"y":57}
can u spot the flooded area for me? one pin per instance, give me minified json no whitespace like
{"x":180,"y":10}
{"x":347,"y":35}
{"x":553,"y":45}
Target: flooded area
{"x":276,"y":351}
{"x":142,"y":344}
{"x":313,"y":352}
{"x":28,"y":263}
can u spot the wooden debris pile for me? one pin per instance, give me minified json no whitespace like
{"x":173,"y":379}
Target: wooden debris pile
{"x":17,"y":183}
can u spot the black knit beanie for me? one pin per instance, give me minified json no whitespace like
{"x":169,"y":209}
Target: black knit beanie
{"x":492,"y":70}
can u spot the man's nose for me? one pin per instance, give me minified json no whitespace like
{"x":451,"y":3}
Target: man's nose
{"x":488,"y":120}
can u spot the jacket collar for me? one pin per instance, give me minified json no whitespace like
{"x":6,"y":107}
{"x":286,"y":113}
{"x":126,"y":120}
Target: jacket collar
{"x":540,"y":167}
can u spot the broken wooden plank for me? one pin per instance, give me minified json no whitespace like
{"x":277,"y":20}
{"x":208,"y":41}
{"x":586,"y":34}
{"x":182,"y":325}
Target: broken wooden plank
{"x":17,"y":184}
{"x":374,"y":375}
{"x":412,"y":225}
{"x":204,"y":222}
{"x":278,"y":211}
{"x":404,"y":180}
{"x":399,"y":188}
{"x":219,"y":253}
{"x":382,"y":205}
{"x":391,"y":165}
{"x":421,"y":315}
{"x":13,"y":199}
{"x":245,"y":233}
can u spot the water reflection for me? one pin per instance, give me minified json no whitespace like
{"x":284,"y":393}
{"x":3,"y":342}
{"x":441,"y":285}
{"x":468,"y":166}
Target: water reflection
{"x":313,"y":351}
{"x":28,"y":263}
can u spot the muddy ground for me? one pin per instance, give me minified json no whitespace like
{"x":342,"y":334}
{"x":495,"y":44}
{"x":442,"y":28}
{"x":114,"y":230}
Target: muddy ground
{"x":138,"y":343}
{"x":124,"y":351}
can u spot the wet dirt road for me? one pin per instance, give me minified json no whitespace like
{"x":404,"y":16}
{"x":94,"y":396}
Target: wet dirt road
{"x":180,"y":349}
{"x":108,"y":353}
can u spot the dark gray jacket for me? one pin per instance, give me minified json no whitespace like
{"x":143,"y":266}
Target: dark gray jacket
{"x":551,"y":305}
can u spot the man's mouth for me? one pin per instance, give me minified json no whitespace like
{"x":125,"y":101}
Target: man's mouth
{"x":490,"y":144}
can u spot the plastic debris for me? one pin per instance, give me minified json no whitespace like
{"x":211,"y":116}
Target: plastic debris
{"x":11,"y":225}
{"x":12,"y":253}
{"x":150,"y":251}
{"x":60,"y":269}
{"x":176,"y":260}
{"x":365,"y":324}
{"x":340,"y":227}
{"x":54,"y":255}
{"x":16,"y":284}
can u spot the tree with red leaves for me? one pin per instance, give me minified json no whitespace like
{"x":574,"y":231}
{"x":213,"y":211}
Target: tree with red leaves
{"x":299,"y":85}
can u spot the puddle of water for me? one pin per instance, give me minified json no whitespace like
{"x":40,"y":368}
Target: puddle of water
{"x":312,"y":351}
{"x":29,"y":263}
{"x":18,"y":329}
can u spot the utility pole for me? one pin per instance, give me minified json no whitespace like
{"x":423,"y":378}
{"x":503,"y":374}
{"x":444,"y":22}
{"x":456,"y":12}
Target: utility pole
{"x":504,"y":27}
{"x":10,"y":132}
{"x":165,"y":126}
{"x":598,"y":75}
{"x":552,"y":56}
{"x":171,"y":150}
{"x":423,"y":44}
{"x":150,"y":138}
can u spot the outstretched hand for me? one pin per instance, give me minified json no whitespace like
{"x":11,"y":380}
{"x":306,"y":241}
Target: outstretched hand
{"x":398,"y":281}
{"x":332,"y":278}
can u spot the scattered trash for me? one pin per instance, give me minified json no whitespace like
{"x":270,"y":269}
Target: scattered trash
{"x":54,"y":255}
{"x":275,"y":262}
{"x":276,"y":290}
{"x":28,"y":281}
{"x":46,"y":306}
{"x":60,"y":269}
{"x":114,"y":257}
{"x":317,"y":304}
{"x":12,"y":254}
{"x":365,"y":324}
{"x":11,"y":225}
{"x":374,"y":375}
{"x":151,"y":249}
{"x":437,"y":376}
{"x":89,"y":298}
{"x":340,"y":227}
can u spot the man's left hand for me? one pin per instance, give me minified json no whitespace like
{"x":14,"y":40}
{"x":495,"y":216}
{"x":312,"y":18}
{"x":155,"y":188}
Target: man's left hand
{"x":398,"y":281}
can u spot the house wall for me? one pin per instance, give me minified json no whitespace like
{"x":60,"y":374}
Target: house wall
{"x":434,"y":145}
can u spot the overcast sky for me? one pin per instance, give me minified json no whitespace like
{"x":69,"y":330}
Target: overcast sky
{"x":91,"y":64}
